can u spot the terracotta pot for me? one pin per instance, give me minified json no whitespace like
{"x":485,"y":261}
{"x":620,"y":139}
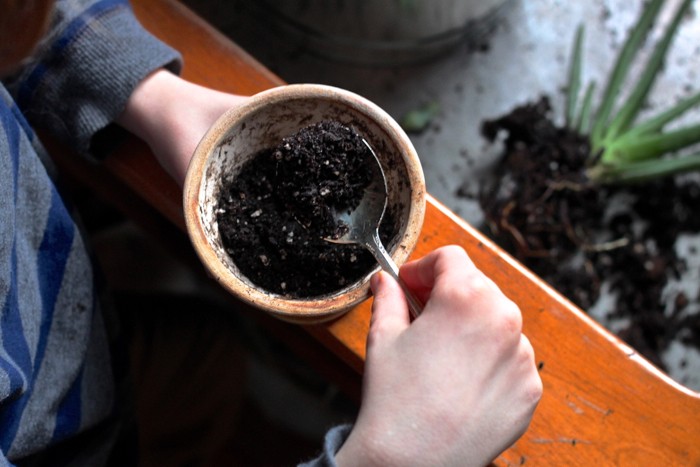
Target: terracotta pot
{"x":261,"y":123}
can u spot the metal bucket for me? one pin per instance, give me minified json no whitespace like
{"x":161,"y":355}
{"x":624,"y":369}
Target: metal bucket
{"x":381,"y":32}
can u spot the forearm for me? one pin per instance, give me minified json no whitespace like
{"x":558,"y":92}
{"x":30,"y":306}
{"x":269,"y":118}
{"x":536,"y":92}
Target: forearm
{"x":172,"y":115}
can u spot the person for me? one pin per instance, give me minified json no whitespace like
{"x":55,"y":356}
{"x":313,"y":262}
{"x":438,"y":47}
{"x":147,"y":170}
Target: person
{"x":455,"y":387}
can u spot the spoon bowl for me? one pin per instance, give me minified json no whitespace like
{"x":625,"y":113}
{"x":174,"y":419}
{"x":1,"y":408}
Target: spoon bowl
{"x":361,"y":226}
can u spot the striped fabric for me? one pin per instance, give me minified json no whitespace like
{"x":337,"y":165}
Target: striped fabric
{"x":55,"y":372}
{"x":52,"y":344}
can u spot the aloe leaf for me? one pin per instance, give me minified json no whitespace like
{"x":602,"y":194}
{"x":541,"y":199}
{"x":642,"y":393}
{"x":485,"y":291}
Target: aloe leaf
{"x":651,"y":145}
{"x":636,"y":99}
{"x":644,"y":170}
{"x":621,"y":68}
{"x":657,"y":123}
{"x":574,"y":77}
{"x":583,"y":121}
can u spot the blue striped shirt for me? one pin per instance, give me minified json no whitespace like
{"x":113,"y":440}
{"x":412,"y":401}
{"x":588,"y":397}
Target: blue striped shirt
{"x":56,"y":379}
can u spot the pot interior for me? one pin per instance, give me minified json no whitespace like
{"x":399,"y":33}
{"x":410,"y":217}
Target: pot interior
{"x":264,"y":126}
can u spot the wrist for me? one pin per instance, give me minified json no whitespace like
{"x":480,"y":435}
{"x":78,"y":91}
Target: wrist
{"x":359,"y":450}
{"x":146,"y":108}
{"x":150,"y":112}
{"x":349,"y":455}
{"x":172,"y":115}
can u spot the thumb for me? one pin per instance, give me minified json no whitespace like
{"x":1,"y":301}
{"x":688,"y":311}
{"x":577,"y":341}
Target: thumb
{"x":389,"y":310}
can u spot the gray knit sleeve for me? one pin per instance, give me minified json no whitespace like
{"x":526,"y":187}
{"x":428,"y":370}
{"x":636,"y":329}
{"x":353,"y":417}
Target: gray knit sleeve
{"x":78,"y":82}
{"x":333,"y":442}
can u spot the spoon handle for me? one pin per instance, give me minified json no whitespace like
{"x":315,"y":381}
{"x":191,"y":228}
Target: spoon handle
{"x":388,"y":264}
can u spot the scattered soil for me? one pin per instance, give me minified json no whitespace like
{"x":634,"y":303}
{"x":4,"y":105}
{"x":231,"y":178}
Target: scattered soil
{"x":274,"y":216}
{"x":543,"y":210}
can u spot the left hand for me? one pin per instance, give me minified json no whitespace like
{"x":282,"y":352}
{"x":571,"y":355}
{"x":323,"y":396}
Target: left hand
{"x":172,"y":115}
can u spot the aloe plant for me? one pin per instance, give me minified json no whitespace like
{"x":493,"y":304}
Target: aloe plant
{"x":622,"y":149}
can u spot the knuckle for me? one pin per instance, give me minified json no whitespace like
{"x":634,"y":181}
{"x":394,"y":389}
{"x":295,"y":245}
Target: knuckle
{"x":376,"y":332}
{"x":452,"y":251}
{"x":511,"y":320}
{"x":534,"y":387}
{"x":457,"y":295}
{"x":479,"y":285}
{"x":532,"y":393}
{"x":526,"y":350}
{"x":476,"y":289}
{"x":536,"y":390}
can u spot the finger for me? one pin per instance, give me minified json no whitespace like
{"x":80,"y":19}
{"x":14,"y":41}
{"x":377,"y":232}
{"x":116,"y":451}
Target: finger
{"x":421,"y":275}
{"x":389,"y":310}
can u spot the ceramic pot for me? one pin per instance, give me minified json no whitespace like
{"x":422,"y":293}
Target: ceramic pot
{"x":262,"y":122}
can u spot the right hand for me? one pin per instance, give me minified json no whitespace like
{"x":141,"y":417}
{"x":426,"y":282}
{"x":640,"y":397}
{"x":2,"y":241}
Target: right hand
{"x":458,"y":385}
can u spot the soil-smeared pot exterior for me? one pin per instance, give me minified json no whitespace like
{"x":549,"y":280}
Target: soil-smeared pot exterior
{"x":262,"y":122}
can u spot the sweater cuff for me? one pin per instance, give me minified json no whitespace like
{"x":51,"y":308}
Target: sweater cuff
{"x":89,"y":74}
{"x":333,"y":442}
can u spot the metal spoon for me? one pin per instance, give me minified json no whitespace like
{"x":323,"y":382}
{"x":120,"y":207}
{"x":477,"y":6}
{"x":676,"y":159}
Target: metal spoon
{"x":363,"y":227}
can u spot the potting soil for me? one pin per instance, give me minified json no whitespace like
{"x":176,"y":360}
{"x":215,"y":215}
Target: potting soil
{"x":274,"y":215}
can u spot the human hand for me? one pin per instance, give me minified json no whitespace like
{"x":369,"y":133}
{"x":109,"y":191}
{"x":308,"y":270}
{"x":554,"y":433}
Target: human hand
{"x":455,"y":387}
{"x":172,"y":115}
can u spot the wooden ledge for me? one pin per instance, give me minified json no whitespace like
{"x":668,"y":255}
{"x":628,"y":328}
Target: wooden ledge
{"x":603,"y":404}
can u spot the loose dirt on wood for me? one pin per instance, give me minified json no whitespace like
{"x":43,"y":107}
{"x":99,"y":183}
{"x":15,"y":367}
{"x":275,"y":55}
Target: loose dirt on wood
{"x":543,"y":210}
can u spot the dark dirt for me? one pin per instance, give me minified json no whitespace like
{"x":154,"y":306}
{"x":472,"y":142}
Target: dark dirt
{"x":542,"y":209}
{"x":275,"y":214}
